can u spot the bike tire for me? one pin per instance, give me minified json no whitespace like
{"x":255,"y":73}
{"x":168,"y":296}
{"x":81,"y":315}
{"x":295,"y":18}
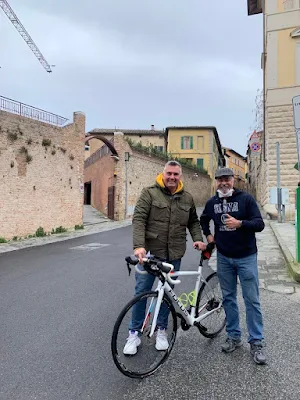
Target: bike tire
{"x":214,"y":296}
{"x":121,"y":360}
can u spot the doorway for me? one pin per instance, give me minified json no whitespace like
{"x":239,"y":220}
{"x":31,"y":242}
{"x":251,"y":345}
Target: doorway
{"x":87,"y":193}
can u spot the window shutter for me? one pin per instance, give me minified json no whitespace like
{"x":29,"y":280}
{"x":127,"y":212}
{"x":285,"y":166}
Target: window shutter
{"x":191,"y":142}
{"x":200,"y":162}
{"x":182,"y":142}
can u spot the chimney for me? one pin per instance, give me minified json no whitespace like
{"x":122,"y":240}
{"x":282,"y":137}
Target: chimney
{"x":152,"y":128}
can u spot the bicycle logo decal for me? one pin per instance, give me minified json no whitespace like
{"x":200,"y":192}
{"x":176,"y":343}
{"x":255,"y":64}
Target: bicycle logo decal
{"x":188,"y":298}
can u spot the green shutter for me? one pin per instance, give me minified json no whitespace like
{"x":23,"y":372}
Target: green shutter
{"x":182,"y":142}
{"x":200,"y":163}
{"x":191,"y":142}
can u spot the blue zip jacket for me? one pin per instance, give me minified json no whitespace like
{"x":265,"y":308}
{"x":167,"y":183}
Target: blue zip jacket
{"x":233,"y":243}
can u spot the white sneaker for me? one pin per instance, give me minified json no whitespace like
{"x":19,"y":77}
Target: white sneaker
{"x":161,"y":340}
{"x":132,"y":343}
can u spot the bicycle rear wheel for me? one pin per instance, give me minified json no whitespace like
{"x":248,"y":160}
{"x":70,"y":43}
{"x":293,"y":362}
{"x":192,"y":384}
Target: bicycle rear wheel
{"x":209,"y":298}
{"x":147,"y":359}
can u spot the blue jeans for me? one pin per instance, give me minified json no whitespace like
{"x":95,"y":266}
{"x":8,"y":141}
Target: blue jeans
{"x":143,"y":284}
{"x":228,"y":269}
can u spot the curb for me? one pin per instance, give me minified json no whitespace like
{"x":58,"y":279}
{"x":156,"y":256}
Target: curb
{"x":293,"y":266}
{"x":89,"y":230}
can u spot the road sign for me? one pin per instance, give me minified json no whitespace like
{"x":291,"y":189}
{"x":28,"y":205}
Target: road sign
{"x":285,"y":196}
{"x":254,"y":136}
{"x":256,"y":147}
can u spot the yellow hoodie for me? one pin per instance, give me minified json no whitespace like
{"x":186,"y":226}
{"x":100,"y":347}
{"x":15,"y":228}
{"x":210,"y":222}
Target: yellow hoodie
{"x":160,"y":182}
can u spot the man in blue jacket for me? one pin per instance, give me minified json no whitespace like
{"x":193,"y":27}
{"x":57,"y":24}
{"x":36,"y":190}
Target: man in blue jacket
{"x":236,"y":219}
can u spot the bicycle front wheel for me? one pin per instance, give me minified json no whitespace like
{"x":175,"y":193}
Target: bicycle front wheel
{"x":210,"y":298}
{"x":147,"y":359}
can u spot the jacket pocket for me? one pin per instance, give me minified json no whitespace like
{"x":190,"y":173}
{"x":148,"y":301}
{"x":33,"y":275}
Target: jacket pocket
{"x":184,"y":214}
{"x":159,"y":211}
{"x":151,"y":235}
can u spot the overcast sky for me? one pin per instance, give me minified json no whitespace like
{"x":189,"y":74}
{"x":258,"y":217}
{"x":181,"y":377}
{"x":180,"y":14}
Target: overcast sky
{"x":133,"y":63}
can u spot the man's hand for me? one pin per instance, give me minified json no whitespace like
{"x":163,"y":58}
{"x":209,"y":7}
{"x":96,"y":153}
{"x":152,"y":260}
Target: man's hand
{"x":199,"y":246}
{"x":140,"y":253}
{"x":232,"y":223}
{"x":210,"y":239}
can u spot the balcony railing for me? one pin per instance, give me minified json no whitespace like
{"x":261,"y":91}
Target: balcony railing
{"x":15,"y":107}
{"x":103,"y":151}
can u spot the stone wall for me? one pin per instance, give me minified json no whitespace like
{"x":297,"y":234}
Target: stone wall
{"x":143,"y":170}
{"x":280,"y":128}
{"x":41,"y":171}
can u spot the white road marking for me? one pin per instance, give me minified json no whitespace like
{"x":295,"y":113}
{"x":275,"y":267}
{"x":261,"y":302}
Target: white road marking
{"x":90,"y":246}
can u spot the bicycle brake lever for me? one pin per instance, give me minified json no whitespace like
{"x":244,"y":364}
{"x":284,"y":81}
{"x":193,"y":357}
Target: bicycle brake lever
{"x":129,"y":269}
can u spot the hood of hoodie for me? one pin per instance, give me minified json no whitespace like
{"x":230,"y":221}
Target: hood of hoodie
{"x":160,"y":182}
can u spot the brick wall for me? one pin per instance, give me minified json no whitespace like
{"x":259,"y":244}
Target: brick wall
{"x":101,"y":176}
{"x":279,"y":128}
{"x":40,"y":184}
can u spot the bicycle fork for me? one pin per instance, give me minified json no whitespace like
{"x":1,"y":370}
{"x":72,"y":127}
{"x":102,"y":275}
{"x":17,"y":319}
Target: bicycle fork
{"x":156,"y":308}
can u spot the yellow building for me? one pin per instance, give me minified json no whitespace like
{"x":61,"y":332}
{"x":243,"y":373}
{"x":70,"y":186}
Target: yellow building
{"x":200,"y":145}
{"x":238,"y":164}
{"x":281,"y":72}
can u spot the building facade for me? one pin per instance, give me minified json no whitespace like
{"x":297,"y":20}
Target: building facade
{"x":281,"y":71}
{"x":254,"y":163}
{"x":199,"y":145}
{"x":237,"y":163}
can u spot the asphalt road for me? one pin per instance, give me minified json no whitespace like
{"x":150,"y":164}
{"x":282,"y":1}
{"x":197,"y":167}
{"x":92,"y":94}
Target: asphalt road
{"x":58,"y":305}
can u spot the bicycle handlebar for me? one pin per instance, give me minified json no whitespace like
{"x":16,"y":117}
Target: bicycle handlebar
{"x":155,"y":266}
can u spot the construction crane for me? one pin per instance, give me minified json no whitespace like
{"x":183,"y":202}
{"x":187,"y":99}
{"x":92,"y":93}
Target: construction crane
{"x":25,"y":35}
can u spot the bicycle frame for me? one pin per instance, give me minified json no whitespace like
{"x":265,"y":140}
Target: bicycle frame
{"x":165,"y":287}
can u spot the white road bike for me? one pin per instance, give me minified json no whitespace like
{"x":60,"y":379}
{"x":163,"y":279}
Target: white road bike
{"x":203,"y":309}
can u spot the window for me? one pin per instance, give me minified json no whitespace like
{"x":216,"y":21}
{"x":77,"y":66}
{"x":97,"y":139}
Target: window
{"x":187,"y":142}
{"x":200,"y":142}
{"x":289,"y":4}
{"x":200,"y":163}
{"x":159,"y":148}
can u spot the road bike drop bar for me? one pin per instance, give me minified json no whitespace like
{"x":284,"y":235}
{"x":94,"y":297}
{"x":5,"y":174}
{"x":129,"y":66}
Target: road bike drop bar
{"x":154,"y":266}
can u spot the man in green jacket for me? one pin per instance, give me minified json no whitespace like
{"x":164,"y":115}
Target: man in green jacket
{"x":162,"y":214}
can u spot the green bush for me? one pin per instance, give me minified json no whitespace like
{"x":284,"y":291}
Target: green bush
{"x":60,"y":229}
{"x":40,"y":232}
{"x":3,"y":240}
{"x":77,"y":227}
{"x":151,"y":150}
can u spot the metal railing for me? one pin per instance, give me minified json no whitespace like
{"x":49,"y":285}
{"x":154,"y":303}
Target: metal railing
{"x":16,"y":107}
{"x":103,"y":151}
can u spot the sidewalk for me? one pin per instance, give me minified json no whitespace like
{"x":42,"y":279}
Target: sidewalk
{"x":285,"y":234}
{"x":273,"y":268}
{"x":89,"y":229}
